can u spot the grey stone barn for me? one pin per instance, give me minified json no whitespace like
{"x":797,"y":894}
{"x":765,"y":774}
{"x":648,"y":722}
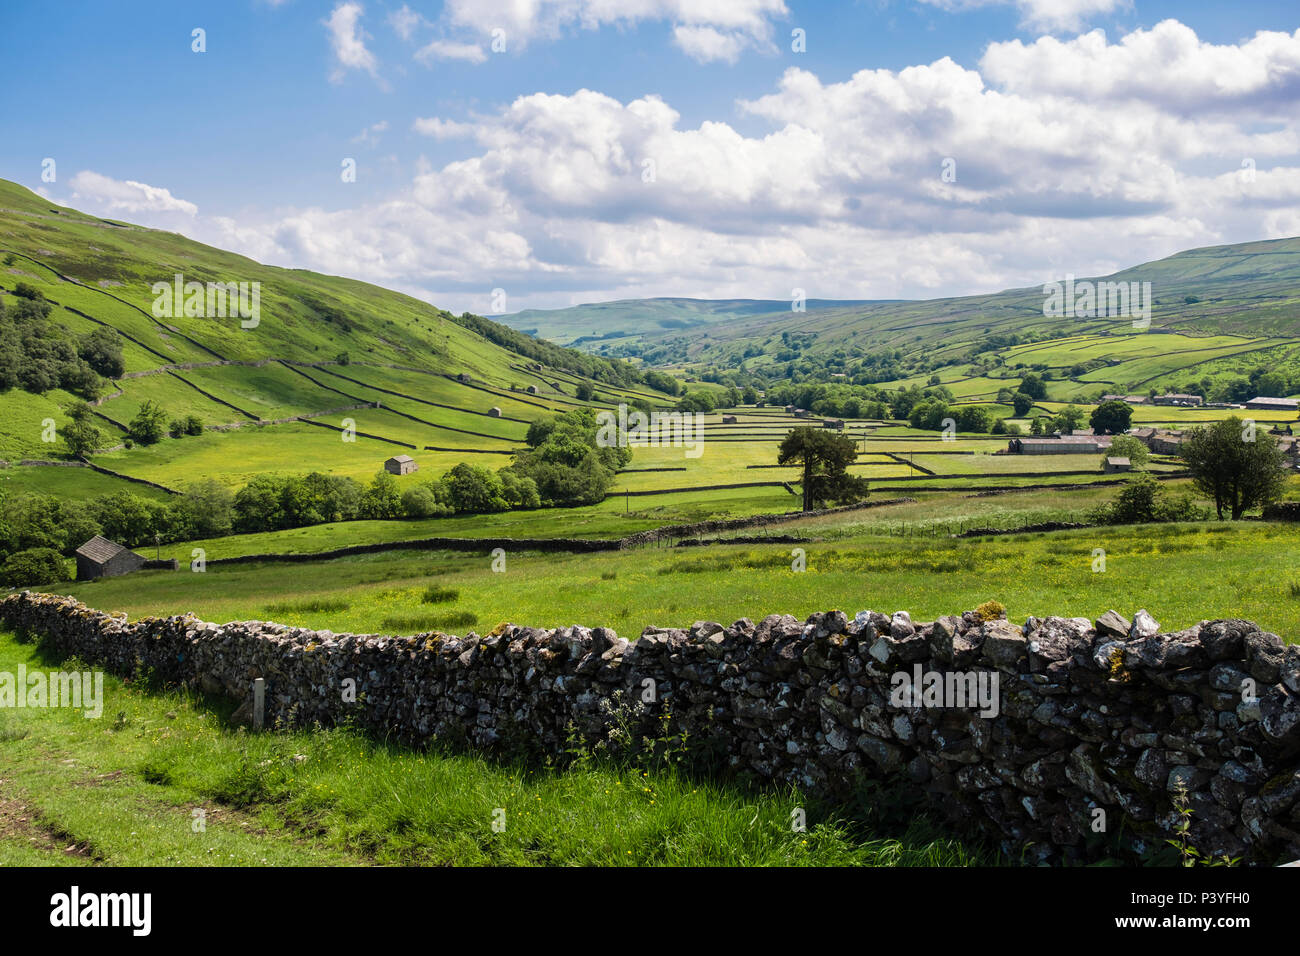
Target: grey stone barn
{"x":494,"y":412}
{"x":401,"y":465}
{"x":102,"y":558}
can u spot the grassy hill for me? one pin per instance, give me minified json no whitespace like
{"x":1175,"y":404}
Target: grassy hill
{"x":1215,"y":311}
{"x":601,"y":324}
{"x":322,"y":346}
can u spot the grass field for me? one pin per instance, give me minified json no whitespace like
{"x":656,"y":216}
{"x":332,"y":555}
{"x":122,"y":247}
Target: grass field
{"x":162,"y":780}
{"x":1223,"y":571}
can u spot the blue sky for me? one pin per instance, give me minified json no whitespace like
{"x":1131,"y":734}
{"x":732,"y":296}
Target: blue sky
{"x":773,"y":169}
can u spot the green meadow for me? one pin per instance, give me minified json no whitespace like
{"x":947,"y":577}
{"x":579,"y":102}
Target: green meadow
{"x":1248,"y":570}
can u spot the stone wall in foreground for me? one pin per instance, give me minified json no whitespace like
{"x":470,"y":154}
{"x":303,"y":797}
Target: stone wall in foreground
{"x":1108,"y":716}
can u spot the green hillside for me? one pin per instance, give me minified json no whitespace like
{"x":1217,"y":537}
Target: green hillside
{"x":597,"y":326}
{"x":321,"y":346}
{"x":1214,"y":312}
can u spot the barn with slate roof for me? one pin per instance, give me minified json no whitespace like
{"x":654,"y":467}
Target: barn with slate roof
{"x":400,"y":465}
{"x":102,"y":558}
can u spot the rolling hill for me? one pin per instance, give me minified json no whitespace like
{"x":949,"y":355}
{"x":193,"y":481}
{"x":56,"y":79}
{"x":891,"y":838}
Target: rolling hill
{"x":604,"y":323}
{"x":271,"y":396}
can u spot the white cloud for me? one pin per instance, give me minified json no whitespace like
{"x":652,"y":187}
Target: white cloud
{"x":443,"y":129}
{"x":715,"y":30}
{"x":450,"y":50}
{"x":371,"y":134}
{"x":405,"y":21}
{"x":348,"y":41}
{"x":836,"y":187}
{"x":707,"y":43}
{"x":97,"y":192}
{"x":1052,"y":15}
{"x":1260,"y":76}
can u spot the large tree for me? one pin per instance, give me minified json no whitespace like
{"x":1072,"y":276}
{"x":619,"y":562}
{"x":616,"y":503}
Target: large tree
{"x":1111,"y":418}
{"x":80,"y":434}
{"x":825,"y":457}
{"x":1234,"y":467}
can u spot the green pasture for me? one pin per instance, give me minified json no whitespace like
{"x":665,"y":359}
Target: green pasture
{"x":1222,"y":570}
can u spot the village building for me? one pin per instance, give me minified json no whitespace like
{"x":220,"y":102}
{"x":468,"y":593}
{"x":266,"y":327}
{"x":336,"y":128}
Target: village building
{"x":1263,"y":403}
{"x":401,"y":465}
{"x":1166,"y":443}
{"x":1059,"y":445}
{"x":1127,"y":399}
{"x":1178,"y":398}
{"x":101,"y":558}
{"x":1116,"y":463}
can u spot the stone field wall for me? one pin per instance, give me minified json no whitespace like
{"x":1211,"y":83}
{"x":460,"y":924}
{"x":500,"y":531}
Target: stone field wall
{"x":1109,"y":715}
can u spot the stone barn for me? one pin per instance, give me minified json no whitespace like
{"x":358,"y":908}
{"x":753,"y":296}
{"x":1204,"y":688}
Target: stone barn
{"x":1115,"y":463}
{"x":494,"y":412}
{"x":401,"y":465}
{"x":102,"y":558}
{"x":728,"y":419}
{"x":463,"y":377}
{"x":532,"y":389}
{"x":834,"y":424}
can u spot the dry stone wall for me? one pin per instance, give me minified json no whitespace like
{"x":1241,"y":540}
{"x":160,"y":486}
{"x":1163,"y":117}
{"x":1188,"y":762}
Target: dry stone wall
{"x":1094,"y":729}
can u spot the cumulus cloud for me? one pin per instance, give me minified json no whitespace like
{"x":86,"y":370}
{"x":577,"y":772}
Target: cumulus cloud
{"x":704,"y":31}
{"x":1052,"y":15}
{"x":839,"y":187}
{"x":443,"y":129}
{"x":348,"y":41}
{"x":99,"y":193}
{"x":1260,"y":77}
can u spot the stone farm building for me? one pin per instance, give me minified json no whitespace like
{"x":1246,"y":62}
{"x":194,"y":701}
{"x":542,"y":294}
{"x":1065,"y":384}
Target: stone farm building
{"x":729,"y":419}
{"x":494,"y":412}
{"x":1166,"y":443}
{"x":1063,"y":445}
{"x":400,"y":465}
{"x":102,"y":558}
{"x":1177,"y":398}
{"x":1116,"y":463}
{"x":1273,"y":404}
{"x":834,"y":424}
{"x":1127,"y":399}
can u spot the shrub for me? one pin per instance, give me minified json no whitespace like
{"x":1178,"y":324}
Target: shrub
{"x":31,"y":567}
{"x":148,"y":425}
{"x":991,"y":611}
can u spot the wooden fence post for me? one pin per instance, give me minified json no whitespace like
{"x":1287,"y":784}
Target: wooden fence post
{"x":259,"y":703}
